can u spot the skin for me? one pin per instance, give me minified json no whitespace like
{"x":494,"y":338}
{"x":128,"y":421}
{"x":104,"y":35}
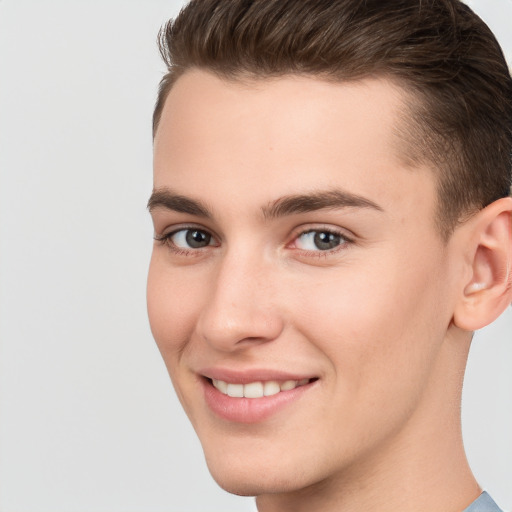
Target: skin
{"x":383,"y":320}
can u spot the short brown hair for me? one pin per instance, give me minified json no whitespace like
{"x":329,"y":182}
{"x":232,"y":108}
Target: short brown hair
{"x":437,"y":50}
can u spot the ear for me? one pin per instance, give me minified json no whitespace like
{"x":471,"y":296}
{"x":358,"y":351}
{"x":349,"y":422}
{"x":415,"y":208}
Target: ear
{"x":488,"y":291}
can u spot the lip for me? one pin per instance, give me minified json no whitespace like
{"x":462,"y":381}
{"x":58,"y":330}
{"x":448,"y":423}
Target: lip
{"x":250,"y":410}
{"x":252,"y":375}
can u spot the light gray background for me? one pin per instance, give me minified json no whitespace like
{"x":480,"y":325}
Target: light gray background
{"x":88,"y":419}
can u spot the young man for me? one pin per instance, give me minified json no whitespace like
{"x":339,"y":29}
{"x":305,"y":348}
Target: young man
{"x":332,"y":222}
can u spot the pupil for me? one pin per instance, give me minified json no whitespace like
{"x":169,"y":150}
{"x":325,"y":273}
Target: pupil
{"x":197,"y":239}
{"x":325,"y":240}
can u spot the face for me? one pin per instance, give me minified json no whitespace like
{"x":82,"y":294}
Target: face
{"x":298,"y":290}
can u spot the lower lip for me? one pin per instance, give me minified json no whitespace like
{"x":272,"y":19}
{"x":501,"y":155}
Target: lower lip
{"x":250,"y":410}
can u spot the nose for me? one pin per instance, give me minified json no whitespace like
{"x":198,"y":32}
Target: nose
{"x":241,"y":309}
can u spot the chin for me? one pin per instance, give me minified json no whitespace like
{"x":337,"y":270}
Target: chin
{"x":244,"y":477}
{"x":253,"y":485}
{"x":238,"y":486}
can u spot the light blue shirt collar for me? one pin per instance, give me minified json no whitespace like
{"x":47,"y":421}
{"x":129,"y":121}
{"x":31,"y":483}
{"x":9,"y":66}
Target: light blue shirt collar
{"x":484,"y":503}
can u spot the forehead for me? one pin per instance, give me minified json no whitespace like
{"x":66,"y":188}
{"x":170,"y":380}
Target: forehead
{"x":271,"y":105}
{"x":285,"y":135}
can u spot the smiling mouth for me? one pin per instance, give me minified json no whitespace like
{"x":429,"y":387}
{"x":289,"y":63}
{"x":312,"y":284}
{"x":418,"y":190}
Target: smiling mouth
{"x":257,"y":389}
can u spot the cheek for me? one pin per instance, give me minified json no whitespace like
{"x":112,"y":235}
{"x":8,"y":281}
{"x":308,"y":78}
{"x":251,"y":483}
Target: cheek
{"x":379,"y":327}
{"x":172,"y":306}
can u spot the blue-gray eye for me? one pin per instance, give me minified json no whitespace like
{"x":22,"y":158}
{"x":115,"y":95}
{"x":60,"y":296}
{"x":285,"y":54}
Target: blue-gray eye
{"x":191,"y":238}
{"x":319,"y":240}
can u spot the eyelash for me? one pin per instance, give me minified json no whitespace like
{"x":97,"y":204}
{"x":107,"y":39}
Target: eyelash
{"x":166,"y":239}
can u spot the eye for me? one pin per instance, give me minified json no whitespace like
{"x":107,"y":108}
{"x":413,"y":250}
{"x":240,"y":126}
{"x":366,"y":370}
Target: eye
{"x":187,"y":238}
{"x":319,"y":240}
{"x":191,"y":238}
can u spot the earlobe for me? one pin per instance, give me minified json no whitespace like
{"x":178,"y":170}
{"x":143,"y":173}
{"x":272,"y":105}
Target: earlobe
{"x":488,"y":291}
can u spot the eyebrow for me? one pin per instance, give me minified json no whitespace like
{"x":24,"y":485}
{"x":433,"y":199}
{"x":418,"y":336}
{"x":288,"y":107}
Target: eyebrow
{"x":320,"y":200}
{"x":287,"y":205}
{"x":166,"y":198}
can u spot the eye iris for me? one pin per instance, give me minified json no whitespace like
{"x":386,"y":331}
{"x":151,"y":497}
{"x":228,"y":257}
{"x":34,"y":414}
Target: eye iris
{"x":196,"y":238}
{"x":325,"y":240}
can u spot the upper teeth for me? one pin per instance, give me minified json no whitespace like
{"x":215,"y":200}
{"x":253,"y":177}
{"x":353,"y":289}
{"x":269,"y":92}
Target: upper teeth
{"x":257,"y":389}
